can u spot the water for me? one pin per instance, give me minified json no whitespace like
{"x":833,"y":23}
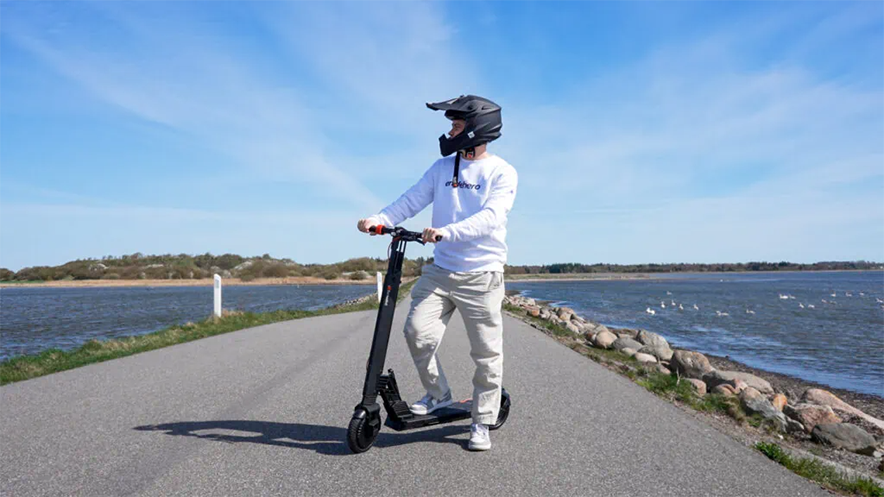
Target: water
{"x":839,"y":344}
{"x":36,"y":319}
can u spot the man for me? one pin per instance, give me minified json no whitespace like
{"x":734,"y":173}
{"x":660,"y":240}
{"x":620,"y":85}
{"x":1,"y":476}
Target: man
{"x":472,"y":193}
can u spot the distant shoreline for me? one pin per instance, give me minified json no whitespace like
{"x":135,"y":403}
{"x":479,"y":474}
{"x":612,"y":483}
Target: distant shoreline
{"x":520,"y":278}
{"x":310,"y":280}
{"x":207,"y":282}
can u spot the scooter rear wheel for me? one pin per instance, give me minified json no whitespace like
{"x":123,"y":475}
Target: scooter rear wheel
{"x":361,"y":435}
{"x":503,"y":413}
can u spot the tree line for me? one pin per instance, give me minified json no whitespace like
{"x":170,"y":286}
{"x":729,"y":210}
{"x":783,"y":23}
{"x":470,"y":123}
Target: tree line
{"x":574,"y":268}
{"x":185,"y":266}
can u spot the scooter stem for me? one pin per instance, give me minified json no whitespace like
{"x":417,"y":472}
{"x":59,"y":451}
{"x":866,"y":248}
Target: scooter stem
{"x":384,"y":323}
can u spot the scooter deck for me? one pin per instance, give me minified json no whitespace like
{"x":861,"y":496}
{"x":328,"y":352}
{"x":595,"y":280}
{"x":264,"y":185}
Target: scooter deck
{"x":459,"y":410}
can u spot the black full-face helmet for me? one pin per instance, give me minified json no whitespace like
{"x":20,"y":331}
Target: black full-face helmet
{"x":482,"y":117}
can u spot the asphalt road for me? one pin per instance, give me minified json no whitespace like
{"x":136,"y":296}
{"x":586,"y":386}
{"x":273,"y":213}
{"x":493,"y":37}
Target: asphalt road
{"x":264,"y":411}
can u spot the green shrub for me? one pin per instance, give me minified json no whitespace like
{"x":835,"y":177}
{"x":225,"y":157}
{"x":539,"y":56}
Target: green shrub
{"x":359,"y":276}
{"x":275,"y":271}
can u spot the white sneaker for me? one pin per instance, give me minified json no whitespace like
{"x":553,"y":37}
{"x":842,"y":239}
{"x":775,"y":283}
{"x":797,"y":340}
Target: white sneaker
{"x":480,"y":439}
{"x":429,"y":404}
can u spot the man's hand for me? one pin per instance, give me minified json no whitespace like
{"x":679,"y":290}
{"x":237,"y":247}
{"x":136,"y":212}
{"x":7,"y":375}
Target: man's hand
{"x":364,"y":224}
{"x":430,"y":235}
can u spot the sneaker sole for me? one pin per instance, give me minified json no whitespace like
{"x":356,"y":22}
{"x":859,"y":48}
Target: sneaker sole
{"x":422,"y":412}
{"x":473,"y":446}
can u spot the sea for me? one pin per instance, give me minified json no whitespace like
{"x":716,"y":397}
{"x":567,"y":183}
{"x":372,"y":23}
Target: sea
{"x":36,"y":319}
{"x":826,"y":327}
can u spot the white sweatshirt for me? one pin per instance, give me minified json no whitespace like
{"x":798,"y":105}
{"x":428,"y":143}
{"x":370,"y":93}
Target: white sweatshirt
{"x":471,"y":217}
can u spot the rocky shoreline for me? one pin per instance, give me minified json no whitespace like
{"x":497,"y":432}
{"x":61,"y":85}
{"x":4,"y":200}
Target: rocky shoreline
{"x":834,"y":424}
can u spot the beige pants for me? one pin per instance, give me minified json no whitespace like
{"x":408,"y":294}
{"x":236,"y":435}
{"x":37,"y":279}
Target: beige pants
{"x":478,"y":297}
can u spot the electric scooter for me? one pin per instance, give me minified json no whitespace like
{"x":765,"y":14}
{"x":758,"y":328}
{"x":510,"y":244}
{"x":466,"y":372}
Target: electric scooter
{"x":366,"y":421}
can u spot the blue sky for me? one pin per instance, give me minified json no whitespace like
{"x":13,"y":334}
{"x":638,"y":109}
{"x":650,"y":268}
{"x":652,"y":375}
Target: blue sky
{"x":642,"y":132}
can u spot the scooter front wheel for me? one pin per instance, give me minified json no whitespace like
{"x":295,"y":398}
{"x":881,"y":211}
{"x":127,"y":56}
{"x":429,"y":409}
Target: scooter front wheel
{"x":361,"y":433}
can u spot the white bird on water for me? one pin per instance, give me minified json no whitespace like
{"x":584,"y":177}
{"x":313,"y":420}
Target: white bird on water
{"x":848,"y":294}
{"x":720,"y":314}
{"x":800,"y":305}
{"x":810,"y":306}
{"x":749,"y":311}
{"x":879,"y":300}
{"x":696,"y":308}
{"x":662,"y":305}
{"x":833,"y":295}
{"x":783,"y":297}
{"x":824,"y":301}
{"x":672,"y":302}
{"x":668,"y":292}
{"x":650,"y":311}
{"x":680,"y":308}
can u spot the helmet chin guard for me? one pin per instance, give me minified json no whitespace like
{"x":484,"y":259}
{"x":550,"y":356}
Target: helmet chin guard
{"x":482,"y":118}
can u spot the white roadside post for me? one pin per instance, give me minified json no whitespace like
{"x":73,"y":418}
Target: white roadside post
{"x":217,"y":296}
{"x":380,"y":285}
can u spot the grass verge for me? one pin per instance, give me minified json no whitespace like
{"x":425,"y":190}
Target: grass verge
{"x":820,"y":473}
{"x":54,"y":360}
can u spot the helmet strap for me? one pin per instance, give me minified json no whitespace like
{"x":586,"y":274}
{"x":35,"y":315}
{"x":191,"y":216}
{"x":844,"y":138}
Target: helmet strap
{"x":456,"y":170}
{"x":469,"y":153}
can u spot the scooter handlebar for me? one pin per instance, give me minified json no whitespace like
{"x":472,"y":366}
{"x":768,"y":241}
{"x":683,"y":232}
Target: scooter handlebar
{"x":410,"y":236}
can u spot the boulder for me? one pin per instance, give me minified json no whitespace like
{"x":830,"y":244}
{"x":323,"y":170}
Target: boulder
{"x":534,"y":311}
{"x":793,"y":426}
{"x":739,"y":385}
{"x":826,"y":398}
{"x":723,"y":389}
{"x":628,"y":332}
{"x":810,"y":415}
{"x":645,"y":358}
{"x":530,"y":302}
{"x":663,"y":369}
{"x":663,"y":353}
{"x":716,"y":377}
{"x":626,"y":343}
{"x":690,"y":364}
{"x":598,"y":328}
{"x":572,"y":327}
{"x":604,"y":340}
{"x":754,"y":402}
{"x":648,"y":338}
{"x":565,"y":313}
{"x":544,"y":314}
{"x":698,"y":385}
{"x":844,"y":436}
{"x":629,"y":352}
{"x":779,"y":401}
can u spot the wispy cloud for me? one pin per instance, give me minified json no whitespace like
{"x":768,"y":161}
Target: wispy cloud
{"x":197,"y":90}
